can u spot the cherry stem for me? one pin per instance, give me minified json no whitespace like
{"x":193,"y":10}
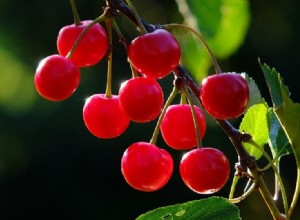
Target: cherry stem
{"x":264,"y":191}
{"x":137,"y":17}
{"x":108,"y":91}
{"x":277,"y":187}
{"x":162,"y":114}
{"x":235,"y":180}
{"x":97,"y":20}
{"x":276,"y":162}
{"x":133,"y":71}
{"x":245,"y":195}
{"x":75,"y":13}
{"x":122,"y":39}
{"x":182,"y":98}
{"x":277,"y":175}
{"x":296,"y":194}
{"x":195,"y":120}
{"x":170,"y":27}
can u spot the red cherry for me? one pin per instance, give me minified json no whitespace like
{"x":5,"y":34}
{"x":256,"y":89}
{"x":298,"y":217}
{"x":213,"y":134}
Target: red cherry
{"x":104,"y":117}
{"x":178,"y":129}
{"x":141,"y":98}
{"x":56,"y":78}
{"x":92,"y":47}
{"x":154,"y":54}
{"x":204,"y":170}
{"x":146,"y":167}
{"x":224,"y":96}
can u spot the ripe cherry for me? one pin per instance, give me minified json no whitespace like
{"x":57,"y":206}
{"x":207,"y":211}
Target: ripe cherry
{"x":154,"y":54}
{"x":56,"y":78}
{"x":225,"y":95}
{"x":204,"y":170}
{"x":92,"y":47}
{"x":141,"y":98}
{"x":104,"y":117}
{"x":178,"y":129}
{"x":146,"y":167}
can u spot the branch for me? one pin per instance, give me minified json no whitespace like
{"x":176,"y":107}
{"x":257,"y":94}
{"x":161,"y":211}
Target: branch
{"x":115,"y":7}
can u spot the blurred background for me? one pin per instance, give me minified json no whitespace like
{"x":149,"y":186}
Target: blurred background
{"x":51,"y":167}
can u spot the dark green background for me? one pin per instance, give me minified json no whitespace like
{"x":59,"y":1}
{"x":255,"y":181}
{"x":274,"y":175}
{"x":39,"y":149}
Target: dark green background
{"x":51,"y":167}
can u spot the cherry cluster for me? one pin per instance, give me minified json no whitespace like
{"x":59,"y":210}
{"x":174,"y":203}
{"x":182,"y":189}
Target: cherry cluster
{"x":152,"y":56}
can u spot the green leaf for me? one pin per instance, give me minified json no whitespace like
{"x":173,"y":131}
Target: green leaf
{"x":254,"y":93}
{"x":288,"y":114}
{"x":275,"y":84}
{"x":216,"y":208}
{"x":223,"y":24}
{"x":278,"y":140}
{"x":255,"y":122}
{"x":289,"y":117}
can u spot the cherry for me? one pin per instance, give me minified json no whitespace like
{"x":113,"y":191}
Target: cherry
{"x":178,"y":129}
{"x":204,"y":170}
{"x":92,"y":47}
{"x":154,"y":54}
{"x":56,"y":78}
{"x":146,"y":167}
{"x":104,"y":117}
{"x":141,"y":98}
{"x":224,"y":96}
